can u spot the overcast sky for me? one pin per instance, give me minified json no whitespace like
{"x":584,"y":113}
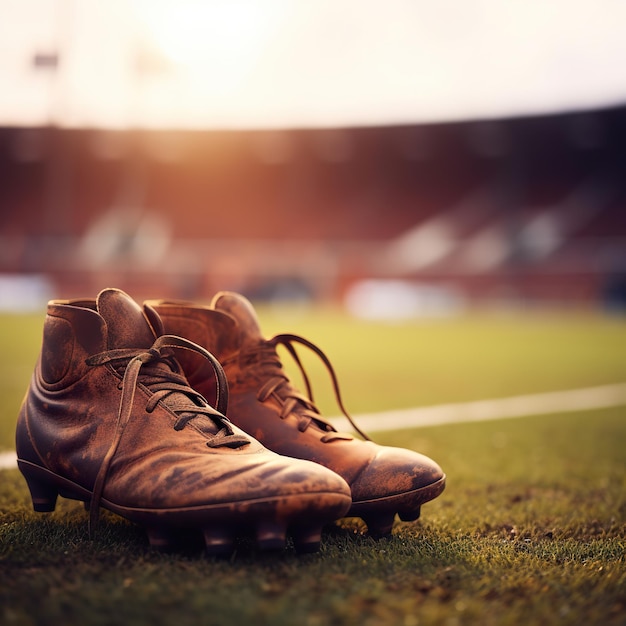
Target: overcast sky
{"x":284,"y":63}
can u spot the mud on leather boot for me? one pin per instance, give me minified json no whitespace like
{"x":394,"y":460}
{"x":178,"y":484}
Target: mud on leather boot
{"x":263,"y":402}
{"x":110,"y":419}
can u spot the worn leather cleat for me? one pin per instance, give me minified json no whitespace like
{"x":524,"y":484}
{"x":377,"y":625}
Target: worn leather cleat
{"x":384,"y":481}
{"x":110,"y":419}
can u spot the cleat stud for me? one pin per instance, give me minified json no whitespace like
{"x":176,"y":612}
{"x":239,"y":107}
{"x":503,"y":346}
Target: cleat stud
{"x":379,"y":525}
{"x":271,"y":536}
{"x":307,"y":541}
{"x":160,"y":538}
{"x":217,"y":541}
{"x":43,"y":495}
{"x":410,"y":515}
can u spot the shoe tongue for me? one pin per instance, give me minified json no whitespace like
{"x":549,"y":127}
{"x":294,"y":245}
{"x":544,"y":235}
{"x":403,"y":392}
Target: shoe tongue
{"x":241,"y":309}
{"x":127,"y":327}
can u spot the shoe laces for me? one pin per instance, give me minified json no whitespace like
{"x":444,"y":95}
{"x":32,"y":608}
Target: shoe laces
{"x":263,"y":359}
{"x":165,"y":384}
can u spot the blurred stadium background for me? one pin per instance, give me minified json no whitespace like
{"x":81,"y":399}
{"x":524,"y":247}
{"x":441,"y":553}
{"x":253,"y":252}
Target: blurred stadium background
{"x":401,"y":158}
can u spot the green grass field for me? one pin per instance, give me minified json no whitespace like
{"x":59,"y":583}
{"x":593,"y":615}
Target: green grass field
{"x":530,"y":530}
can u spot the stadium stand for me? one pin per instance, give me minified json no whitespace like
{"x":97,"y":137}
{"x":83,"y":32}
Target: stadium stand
{"x":525,"y":210}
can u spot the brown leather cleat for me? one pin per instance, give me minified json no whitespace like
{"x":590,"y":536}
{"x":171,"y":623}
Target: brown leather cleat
{"x":263,"y":402}
{"x":110,"y":419}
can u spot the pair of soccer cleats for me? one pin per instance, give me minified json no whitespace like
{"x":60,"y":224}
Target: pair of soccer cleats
{"x":181,"y":418}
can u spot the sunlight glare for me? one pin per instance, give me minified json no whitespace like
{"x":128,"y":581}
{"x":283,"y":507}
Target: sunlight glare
{"x":221,"y":39}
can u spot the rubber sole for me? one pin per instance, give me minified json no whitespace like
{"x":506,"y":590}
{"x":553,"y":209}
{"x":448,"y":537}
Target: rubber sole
{"x":268,"y":520}
{"x":379,"y":513}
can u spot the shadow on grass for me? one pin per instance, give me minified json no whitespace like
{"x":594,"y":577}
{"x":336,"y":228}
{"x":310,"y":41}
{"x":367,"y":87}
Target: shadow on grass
{"x":487,"y":574}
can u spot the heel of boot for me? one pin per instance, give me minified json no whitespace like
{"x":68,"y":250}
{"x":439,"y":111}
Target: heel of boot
{"x":43,"y":494}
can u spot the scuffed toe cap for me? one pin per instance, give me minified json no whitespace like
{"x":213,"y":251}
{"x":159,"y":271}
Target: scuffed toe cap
{"x":309,"y":477}
{"x":394,"y":471}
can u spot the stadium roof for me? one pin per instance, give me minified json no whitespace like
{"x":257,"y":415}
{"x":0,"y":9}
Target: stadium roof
{"x":281,"y":64}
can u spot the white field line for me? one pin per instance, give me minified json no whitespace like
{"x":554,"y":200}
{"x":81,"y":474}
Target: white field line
{"x":499,"y":408}
{"x":8,"y":460}
{"x":478,"y":411}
